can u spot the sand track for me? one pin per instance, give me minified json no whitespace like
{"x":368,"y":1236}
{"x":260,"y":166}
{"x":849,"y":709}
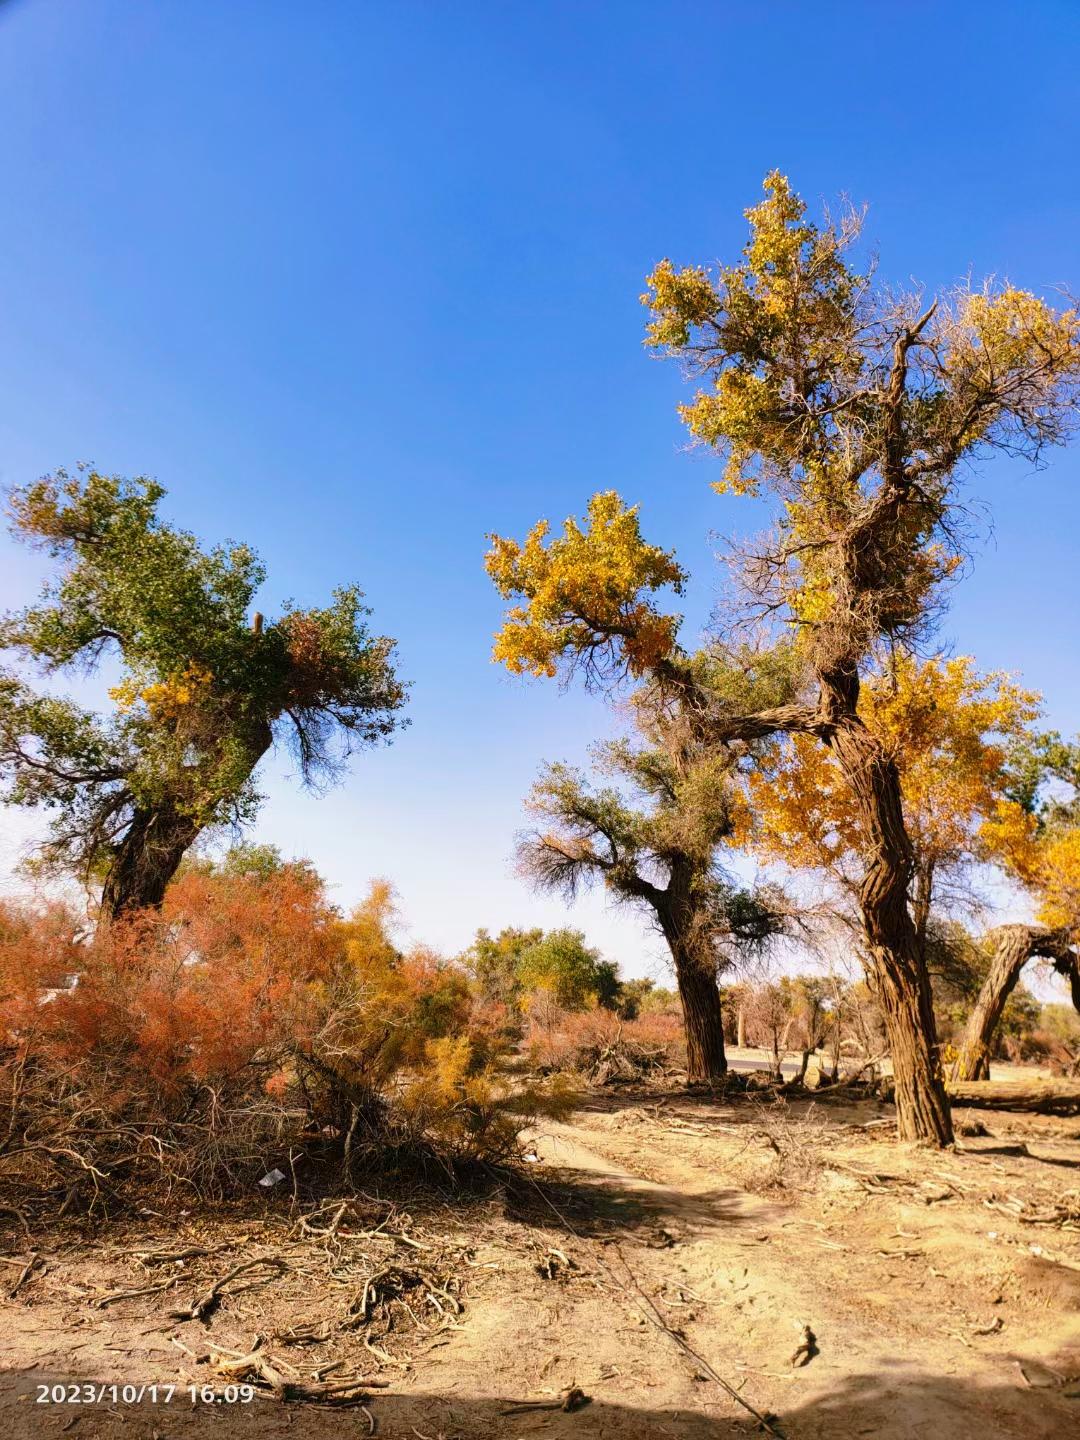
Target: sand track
{"x":939,"y":1306}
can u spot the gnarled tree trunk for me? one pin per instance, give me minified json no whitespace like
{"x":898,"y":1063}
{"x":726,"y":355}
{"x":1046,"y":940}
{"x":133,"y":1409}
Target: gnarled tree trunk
{"x":146,"y":860}
{"x":695,"y":974}
{"x":901,"y":980}
{"x":1014,"y":946}
{"x":703,"y":1019}
{"x":154,"y":844}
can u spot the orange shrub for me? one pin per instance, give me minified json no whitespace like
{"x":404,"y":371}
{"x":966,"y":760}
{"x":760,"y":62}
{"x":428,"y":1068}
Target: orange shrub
{"x":246,"y":1016}
{"x":579,"y":1042}
{"x":38,"y":956}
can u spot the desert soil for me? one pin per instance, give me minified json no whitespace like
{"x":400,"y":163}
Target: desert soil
{"x":660,"y":1243}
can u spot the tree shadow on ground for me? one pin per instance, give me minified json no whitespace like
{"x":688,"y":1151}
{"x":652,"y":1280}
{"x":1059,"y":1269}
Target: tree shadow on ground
{"x":1020,"y":1152}
{"x":595,"y":1205}
{"x":738,"y":1103}
{"x":897,"y":1404}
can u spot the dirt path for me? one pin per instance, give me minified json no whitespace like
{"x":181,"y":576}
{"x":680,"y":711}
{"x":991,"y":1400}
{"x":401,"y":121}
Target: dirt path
{"x":928,"y":1308}
{"x":943,"y":1293}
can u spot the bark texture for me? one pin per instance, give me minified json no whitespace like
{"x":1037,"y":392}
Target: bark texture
{"x":901,"y":981}
{"x":147,"y":859}
{"x":153,"y":846}
{"x":896,"y":962}
{"x":1014,"y":946}
{"x":695,"y":972}
{"x":1038,"y":1097}
{"x":703,"y":1019}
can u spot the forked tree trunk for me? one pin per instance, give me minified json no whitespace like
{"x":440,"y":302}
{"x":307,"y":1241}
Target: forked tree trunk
{"x":901,"y":980}
{"x":1015,"y":946}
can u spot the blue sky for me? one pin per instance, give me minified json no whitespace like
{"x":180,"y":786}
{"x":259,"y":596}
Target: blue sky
{"x":358,"y":283}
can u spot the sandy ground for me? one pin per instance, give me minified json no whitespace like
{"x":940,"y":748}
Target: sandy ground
{"x":669,"y":1240}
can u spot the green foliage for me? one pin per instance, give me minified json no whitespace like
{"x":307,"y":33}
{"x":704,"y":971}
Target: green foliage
{"x":746,"y":678}
{"x":494,"y":963}
{"x":658,"y":844}
{"x":258,"y":861}
{"x":1044,"y":778}
{"x":1022,"y":1014}
{"x":608,"y":985}
{"x":505,"y":968}
{"x":569,"y":970}
{"x":205,"y":690}
{"x":642,"y":996}
{"x":1061,"y":1022}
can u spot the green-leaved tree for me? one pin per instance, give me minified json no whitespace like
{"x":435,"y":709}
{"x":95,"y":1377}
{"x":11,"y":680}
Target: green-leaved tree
{"x":205,"y":687}
{"x":653,"y":840}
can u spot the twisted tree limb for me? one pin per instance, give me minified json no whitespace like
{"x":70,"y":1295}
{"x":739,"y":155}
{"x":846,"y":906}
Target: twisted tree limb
{"x":1014,"y":946}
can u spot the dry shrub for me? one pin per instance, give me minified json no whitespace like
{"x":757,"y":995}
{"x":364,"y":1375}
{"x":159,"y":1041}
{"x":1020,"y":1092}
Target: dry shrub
{"x":1044,"y":1047}
{"x":783,"y":1150}
{"x":246,"y":1026}
{"x":602,"y":1049}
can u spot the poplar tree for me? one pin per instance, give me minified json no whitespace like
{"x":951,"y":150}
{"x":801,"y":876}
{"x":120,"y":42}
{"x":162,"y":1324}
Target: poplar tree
{"x":205,"y":686}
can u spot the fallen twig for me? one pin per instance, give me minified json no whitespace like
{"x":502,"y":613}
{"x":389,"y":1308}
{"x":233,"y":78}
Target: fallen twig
{"x":34,"y":1263}
{"x":574,"y":1399}
{"x":257,"y":1367}
{"x":118,"y":1295}
{"x":201,"y":1307}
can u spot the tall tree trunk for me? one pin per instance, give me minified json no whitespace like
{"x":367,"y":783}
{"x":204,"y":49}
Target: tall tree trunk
{"x":695,"y":974}
{"x":146,"y":860}
{"x":703,"y":1019}
{"x":901,"y":980}
{"x":1014,"y":946}
{"x":740,"y":1022}
{"x":699,"y":994}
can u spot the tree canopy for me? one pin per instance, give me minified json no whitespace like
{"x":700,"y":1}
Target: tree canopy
{"x":506,"y":966}
{"x":205,"y":686}
{"x":952,"y":733}
{"x":849,"y":409}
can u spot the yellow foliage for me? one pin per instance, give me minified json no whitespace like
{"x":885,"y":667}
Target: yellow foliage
{"x":793,"y":345}
{"x":1055,"y":873}
{"x":946,"y":727}
{"x":1009,"y":329}
{"x":583,"y":591}
{"x":679,"y":299}
{"x":366,"y":933}
{"x":474,"y":1109}
{"x":165,"y":699}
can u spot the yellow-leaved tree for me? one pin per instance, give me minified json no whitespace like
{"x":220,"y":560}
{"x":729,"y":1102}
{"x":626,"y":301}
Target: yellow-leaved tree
{"x":588,"y":598}
{"x":1047,"y":862}
{"x":955,"y":736}
{"x":949,"y":730}
{"x":847,"y":408}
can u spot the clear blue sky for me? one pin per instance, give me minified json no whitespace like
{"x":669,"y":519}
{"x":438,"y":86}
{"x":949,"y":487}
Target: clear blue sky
{"x":358,"y":282}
